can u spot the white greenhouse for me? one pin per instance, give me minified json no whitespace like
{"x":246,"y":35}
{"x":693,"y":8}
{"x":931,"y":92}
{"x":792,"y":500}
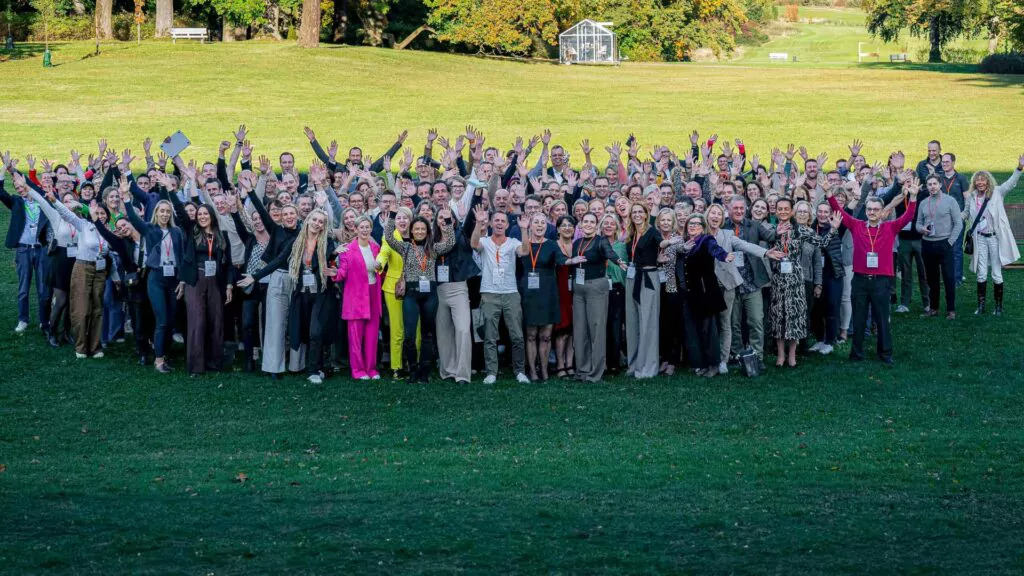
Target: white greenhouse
{"x":588,"y":42}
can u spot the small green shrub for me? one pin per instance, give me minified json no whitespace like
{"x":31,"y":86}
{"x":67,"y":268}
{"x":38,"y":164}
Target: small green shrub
{"x":1003,"y":63}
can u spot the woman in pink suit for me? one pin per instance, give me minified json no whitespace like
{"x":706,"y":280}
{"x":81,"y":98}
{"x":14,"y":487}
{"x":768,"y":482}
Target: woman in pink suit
{"x":362,"y":299}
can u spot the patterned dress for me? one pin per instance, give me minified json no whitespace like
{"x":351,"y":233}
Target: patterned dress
{"x":788,"y":309}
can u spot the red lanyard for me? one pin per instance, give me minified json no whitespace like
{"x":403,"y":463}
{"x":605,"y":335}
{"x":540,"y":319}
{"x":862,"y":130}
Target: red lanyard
{"x":583,"y":248}
{"x":209,"y":248}
{"x":632,"y":251}
{"x":872,"y":239}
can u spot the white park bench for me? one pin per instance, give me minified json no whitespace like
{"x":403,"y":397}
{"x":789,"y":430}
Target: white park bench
{"x":784,"y":56}
{"x":898,"y":58}
{"x":189,"y":34}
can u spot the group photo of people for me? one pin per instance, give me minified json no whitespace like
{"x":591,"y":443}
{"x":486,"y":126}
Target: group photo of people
{"x":468,"y":260}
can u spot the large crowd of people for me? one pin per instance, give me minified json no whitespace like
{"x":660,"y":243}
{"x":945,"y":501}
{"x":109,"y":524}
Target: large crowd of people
{"x":468,"y":258}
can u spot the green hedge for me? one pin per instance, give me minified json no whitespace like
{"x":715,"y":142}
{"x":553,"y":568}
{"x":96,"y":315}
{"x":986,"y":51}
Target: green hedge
{"x":1004,"y":63}
{"x":67,"y":28}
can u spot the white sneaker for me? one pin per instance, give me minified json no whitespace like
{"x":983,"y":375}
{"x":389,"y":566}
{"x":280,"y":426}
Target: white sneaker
{"x":119,"y":341}
{"x":491,"y":379}
{"x":825,"y":349}
{"x":901,"y":309}
{"x":816,"y":347}
{"x":80,"y":356}
{"x":315,"y":379}
{"x":522,"y":378}
{"x":98,"y":354}
{"x":723,"y":368}
{"x":178,"y":338}
{"x":364,"y":377}
{"x":21,"y":327}
{"x":375,"y":377}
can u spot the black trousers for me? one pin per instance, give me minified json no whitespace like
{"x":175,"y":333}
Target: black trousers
{"x":616,"y":321}
{"x":868,"y":290}
{"x":702,"y":344}
{"x":254,"y":315}
{"x":938,"y":263}
{"x":419,"y":308}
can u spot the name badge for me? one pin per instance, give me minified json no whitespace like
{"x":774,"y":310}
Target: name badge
{"x":786,"y":267}
{"x":610,"y":284}
{"x":101,"y":264}
{"x":872,"y":260}
{"x":581,"y":276}
{"x":210,"y":267}
{"x":737,"y":259}
{"x":662,"y":276}
{"x":168,"y":270}
{"x":631,"y":272}
{"x":424,"y":285}
{"x":307,"y":280}
{"x":532,"y":281}
{"x":499,"y":275}
{"x":442,"y":273}
{"x":72,"y":251}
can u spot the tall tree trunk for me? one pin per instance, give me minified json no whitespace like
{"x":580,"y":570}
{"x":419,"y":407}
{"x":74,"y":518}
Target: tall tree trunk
{"x":104,"y":19}
{"x":339,"y":21}
{"x":935,"y":54}
{"x":309,"y":30}
{"x":164,"y":17}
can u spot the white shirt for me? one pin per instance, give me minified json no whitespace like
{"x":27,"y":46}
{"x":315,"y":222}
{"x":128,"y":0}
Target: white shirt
{"x":371,"y":264}
{"x":498,"y":266}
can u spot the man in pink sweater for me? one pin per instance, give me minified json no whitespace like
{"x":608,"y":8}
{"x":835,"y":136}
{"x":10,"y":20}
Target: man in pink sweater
{"x":873,"y":242}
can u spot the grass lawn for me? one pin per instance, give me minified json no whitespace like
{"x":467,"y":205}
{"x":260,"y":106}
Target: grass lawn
{"x":829,"y":468}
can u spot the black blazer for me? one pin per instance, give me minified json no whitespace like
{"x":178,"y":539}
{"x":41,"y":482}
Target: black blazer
{"x":695,"y":276}
{"x":17,"y":206}
{"x":154,"y":236}
{"x":188,"y":267}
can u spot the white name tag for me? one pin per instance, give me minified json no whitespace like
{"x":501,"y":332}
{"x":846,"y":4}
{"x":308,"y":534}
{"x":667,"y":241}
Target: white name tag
{"x":872,"y":260}
{"x":424,"y":285}
{"x":610,"y":284}
{"x":72,"y":251}
{"x":101,"y":264}
{"x":532,"y":281}
{"x":662,"y":276}
{"x":786,"y":267}
{"x":581,"y":276}
{"x":210,"y":267}
{"x":631,"y":272}
{"x":737,"y":259}
{"x":168,"y":270}
{"x":307,"y":280}
{"x":442,"y":273}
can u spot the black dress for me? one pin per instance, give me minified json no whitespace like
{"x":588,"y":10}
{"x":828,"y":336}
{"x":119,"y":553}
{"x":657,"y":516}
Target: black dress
{"x":540,"y":305}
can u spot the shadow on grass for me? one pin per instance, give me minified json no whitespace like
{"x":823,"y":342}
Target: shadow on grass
{"x":922,"y":67}
{"x":23,"y":51}
{"x":995,"y":81}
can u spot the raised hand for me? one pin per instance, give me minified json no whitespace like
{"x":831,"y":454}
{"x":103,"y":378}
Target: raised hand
{"x":803,"y":153}
{"x":161,"y":159}
{"x":264,"y":165}
{"x":31,"y":161}
{"x":634,"y":148}
{"x":309,"y":133}
{"x":481,"y":216}
{"x":443,"y":143}
{"x":431,"y":135}
{"x":246,"y":149}
{"x":146,"y":145}
{"x":406,"y":162}
{"x":470,"y":133}
{"x":835,"y":219}
{"x":1020,"y":162}
{"x":102,"y":146}
{"x":240,"y":133}
{"x":755,"y":161}
{"x":694,"y":138}
{"x":821,"y":159}
{"x":545,"y":137}
{"x":790,"y":152}
{"x":403,"y":136}
{"x":856,"y":147}
{"x":224,"y":145}
{"x":47,"y":166}
{"x":727,"y":149}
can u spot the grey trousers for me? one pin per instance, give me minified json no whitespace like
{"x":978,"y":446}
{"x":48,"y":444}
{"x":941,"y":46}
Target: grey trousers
{"x":279,"y":297}
{"x":725,"y":325}
{"x":454,"y":331}
{"x":493,"y":307}
{"x":753,"y":305}
{"x":589,"y":327}
{"x":642,"y":326}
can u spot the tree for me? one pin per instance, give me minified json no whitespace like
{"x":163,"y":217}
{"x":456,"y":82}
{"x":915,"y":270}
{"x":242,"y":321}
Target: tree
{"x":48,"y":10}
{"x":373,"y":14}
{"x":104,"y":20}
{"x":941,"y":20}
{"x":164,"y":17}
{"x":339,"y":20}
{"x":1003,"y":20}
{"x":500,"y":26}
{"x":309,"y":30}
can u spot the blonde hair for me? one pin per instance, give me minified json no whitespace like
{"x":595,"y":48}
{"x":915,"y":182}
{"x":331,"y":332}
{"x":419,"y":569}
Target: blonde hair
{"x":152,"y":217}
{"x":987,"y":176}
{"x":299,"y":248}
{"x":631,"y":231}
{"x":671,"y":212}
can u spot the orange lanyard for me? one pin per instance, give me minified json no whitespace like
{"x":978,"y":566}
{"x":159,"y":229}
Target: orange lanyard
{"x":583,"y":248}
{"x":209,"y":247}
{"x":632,"y":250}
{"x":533,"y":257}
{"x":951,"y":182}
{"x":872,"y":239}
{"x":423,"y":260}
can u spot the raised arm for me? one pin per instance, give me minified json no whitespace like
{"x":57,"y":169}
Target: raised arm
{"x":378,"y":164}
{"x":268,"y":222}
{"x":1005,"y":188}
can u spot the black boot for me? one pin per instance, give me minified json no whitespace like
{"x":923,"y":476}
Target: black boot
{"x":998,"y":293}
{"x":410,"y":361}
{"x":982,"y":288}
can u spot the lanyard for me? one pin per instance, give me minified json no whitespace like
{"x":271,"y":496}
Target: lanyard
{"x":785,"y":241}
{"x":872,"y":239}
{"x":632,"y":250}
{"x":933,"y":207}
{"x":533,"y":257}
{"x":583,"y":248}
{"x":952,"y":181}
{"x":100,"y":253}
{"x":167,"y":244}
{"x":423,"y":260}
{"x":209,"y":247}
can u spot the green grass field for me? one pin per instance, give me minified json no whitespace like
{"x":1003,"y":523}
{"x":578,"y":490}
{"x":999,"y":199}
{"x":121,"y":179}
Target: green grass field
{"x":829,"y":468}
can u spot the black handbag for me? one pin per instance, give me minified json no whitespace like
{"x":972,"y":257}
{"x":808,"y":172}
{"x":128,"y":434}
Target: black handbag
{"x":969,"y":237}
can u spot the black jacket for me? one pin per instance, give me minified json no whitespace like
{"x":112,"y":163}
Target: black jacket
{"x":17,"y":206}
{"x":695,"y":276}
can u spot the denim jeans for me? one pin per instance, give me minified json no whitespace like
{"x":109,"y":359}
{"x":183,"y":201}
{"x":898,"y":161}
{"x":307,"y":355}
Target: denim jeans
{"x":162,"y":299}
{"x":31,"y":265}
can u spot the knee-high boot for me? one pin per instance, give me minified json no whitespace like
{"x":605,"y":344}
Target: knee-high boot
{"x":982,"y":288}
{"x":997,"y":292}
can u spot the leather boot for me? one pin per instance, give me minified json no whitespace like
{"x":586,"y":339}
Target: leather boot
{"x":998,"y":293}
{"x":982,"y":288}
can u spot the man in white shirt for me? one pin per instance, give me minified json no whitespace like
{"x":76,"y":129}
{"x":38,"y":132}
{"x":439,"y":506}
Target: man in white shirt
{"x":499,"y":295}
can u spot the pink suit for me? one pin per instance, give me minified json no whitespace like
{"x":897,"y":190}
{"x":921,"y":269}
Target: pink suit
{"x":361,"y":308}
